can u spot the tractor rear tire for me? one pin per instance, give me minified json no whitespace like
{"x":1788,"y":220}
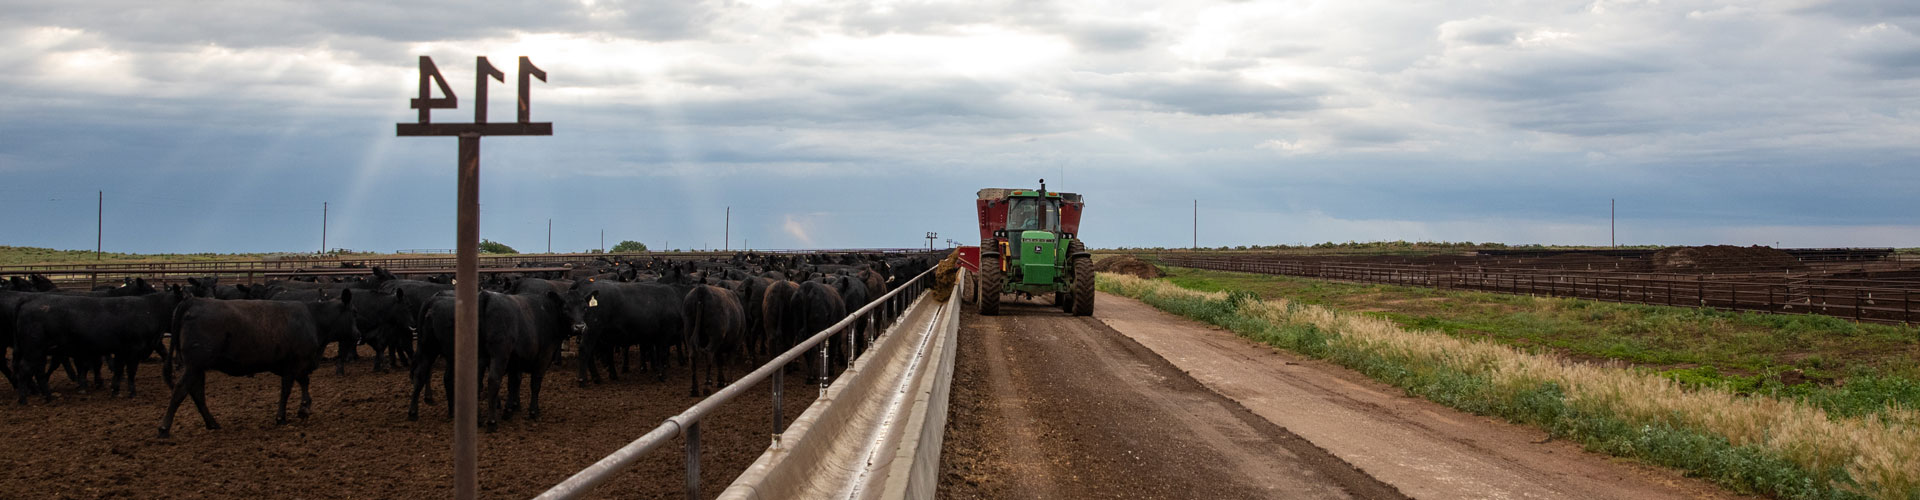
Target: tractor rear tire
{"x":1082,"y":286}
{"x":991,"y":281}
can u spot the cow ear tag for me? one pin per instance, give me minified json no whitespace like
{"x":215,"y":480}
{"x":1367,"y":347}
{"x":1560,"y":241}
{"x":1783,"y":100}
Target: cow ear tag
{"x":593,"y":302}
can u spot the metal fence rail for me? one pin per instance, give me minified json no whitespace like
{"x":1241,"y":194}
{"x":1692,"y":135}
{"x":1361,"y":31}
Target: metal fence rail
{"x":687,"y":423}
{"x":1887,"y":302}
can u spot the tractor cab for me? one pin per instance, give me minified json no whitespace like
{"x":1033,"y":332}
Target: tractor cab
{"x":1034,"y":211}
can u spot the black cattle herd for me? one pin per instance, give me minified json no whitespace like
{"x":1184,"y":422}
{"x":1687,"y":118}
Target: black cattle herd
{"x":705,"y":313}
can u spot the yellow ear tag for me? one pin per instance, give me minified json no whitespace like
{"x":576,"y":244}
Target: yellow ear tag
{"x":593,"y":302}
{"x":456,"y":282}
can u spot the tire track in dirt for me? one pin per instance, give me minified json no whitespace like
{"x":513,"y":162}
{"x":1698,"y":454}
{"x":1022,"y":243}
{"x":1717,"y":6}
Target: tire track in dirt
{"x":1047,"y":405}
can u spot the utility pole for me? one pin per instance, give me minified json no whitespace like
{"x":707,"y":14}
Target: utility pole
{"x":323,"y":228}
{"x":603,"y":241}
{"x":99,"y":224}
{"x":1196,"y":224}
{"x":1613,"y":237}
{"x":930,"y":236}
{"x":727,"y":234}
{"x":549,"y":236}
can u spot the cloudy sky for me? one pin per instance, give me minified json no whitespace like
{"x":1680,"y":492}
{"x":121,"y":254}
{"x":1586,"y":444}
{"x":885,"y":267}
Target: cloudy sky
{"x":224,"y":126}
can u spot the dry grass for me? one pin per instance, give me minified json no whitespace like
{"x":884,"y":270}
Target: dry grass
{"x":1879,"y":452}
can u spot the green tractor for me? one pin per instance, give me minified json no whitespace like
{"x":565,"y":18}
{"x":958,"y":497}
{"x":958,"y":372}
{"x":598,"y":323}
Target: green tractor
{"x":1030,"y":246}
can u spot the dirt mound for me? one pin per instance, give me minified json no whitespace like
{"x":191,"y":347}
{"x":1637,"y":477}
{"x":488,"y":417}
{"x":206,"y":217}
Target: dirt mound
{"x":1128,"y":265}
{"x":1717,"y":257}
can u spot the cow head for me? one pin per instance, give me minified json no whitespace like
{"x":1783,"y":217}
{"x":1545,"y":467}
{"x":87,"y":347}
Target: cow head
{"x":335,"y":318}
{"x":580,"y":302}
{"x":203,"y":287}
{"x":41,"y":283}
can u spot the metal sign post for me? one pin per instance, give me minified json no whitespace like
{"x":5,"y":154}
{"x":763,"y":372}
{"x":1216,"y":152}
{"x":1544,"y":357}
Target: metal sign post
{"x":466,"y":347}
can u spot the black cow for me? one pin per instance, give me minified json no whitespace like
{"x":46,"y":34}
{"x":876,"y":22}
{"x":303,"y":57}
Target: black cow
{"x":814,"y":308}
{"x":128,"y":329}
{"x":518,"y":334}
{"x":610,"y":316}
{"x":245,"y":337}
{"x":753,"y":292}
{"x":436,"y":341}
{"x":387,"y":325}
{"x":774,"y":317}
{"x":715,"y":326}
{"x":853,"y":292}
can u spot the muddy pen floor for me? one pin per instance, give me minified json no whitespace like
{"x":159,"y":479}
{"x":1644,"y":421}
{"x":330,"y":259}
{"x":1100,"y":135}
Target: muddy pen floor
{"x":358,"y":442}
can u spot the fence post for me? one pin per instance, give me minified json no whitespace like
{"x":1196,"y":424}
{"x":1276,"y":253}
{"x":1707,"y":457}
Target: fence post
{"x":778,"y":385}
{"x":1856,"y":304}
{"x":1733,"y":290}
{"x":825,"y":363}
{"x":693,"y":460}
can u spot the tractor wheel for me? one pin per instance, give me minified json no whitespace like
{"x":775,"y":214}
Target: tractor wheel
{"x":1082,"y":286}
{"x":969,"y":287}
{"x":991,"y":280}
{"x":1064,"y":300}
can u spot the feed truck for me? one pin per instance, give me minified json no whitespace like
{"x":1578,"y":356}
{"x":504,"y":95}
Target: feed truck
{"x":1030,"y":246}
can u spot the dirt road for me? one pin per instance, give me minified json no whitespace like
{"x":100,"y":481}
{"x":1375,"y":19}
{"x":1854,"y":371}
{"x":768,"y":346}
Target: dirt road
{"x":1047,"y":405}
{"x":1137,"y":403}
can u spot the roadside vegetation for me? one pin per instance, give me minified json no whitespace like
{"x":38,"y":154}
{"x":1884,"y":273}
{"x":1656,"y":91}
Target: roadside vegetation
{"x":1789,"y":447}
{"x":14,"y":256}
{"x":1843,"y":367}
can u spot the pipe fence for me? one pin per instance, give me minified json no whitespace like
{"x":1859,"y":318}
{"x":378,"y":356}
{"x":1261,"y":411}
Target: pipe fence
{"x":877,"y":314}
{"x":1886,"y":302}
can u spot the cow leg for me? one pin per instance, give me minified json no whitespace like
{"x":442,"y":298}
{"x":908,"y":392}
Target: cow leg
{"x":513,"y":394}
{"x":693,"y":373}
{"x":76,"y":371}
{"x":494,"y":373}
{"x":422,"y":375}
{"x":99,"y":364}
{"x":626,"y":359}
{"x":657,"y":355}
{"x":173,"y":405}
{"x":166,"y":366}
{"x":306,"y":399}
{"x":583,"y":363}
{"x":37,"y":376}
{"x":132,"y":366}
{"x":340,"y":359}
{"x":196,"y":383}
{"x":533,"y":393}
{"x":446,"y":382}
{"x":5,"y":369}
{"x":613,"y":374}
{"x":118,"y":364}
{"x":286,"y":389}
